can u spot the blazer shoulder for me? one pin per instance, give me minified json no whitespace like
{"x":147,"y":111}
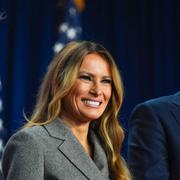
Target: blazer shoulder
{"x":159,"y":102}
{"x":32,"y":131}
{"x":22,"y":151}
{"x":176,"y":99}
{"x":161,"y":106}
{"x":32,"y":135}
{"x":163,"y":100}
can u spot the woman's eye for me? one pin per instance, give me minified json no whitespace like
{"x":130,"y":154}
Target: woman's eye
{"x":107,"y":81}
{"x":84,"y":77}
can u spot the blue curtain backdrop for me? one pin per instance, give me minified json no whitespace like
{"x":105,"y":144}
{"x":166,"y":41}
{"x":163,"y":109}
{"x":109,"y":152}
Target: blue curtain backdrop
{"x":143,"y":37}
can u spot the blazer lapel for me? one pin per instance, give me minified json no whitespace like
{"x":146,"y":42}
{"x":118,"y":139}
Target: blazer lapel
{"x":99,"y":158}
{"x":176,"y":109}
{"x":73,"y":150}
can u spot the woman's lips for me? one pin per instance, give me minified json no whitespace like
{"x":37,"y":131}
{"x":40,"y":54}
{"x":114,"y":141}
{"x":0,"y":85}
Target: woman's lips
{"x":92,"y":103}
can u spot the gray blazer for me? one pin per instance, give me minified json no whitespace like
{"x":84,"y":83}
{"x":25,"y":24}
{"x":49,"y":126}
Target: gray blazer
{"x":52,"y":152}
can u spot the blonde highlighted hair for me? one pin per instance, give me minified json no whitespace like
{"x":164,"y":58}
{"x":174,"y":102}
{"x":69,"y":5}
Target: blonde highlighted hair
{"x":58,"y":81}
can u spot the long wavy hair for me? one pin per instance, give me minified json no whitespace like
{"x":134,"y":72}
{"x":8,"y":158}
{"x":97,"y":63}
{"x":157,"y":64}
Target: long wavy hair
{"x":60,"y":77}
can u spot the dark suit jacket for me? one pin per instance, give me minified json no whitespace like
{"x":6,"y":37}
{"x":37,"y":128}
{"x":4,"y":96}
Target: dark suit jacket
{"x":154,"y":139}
{"x":51,"y":152}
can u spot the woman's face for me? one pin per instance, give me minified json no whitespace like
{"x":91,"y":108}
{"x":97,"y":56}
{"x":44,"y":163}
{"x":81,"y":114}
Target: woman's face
{"x":91,"y":92}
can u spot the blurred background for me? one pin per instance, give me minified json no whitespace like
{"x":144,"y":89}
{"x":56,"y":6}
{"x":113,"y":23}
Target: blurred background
{"x":142,"y":36}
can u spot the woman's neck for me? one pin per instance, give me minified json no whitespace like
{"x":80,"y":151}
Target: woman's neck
{"x":80,"y":131}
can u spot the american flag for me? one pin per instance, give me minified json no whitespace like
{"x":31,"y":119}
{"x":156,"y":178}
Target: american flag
{"x":70,"y":29}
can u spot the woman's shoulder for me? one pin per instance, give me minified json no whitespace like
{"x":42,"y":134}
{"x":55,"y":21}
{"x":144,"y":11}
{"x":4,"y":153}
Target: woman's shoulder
{"x":29,"y":135}
{"x":23,"y":148}
{"x":34,"y":130}
{"x":31,"y":131}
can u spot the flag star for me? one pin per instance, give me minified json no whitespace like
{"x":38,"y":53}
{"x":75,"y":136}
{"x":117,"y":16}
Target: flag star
{"x":71,"y":33}
{"x":63,"y":27}
{"x":58,"y":47}
{"x":72,"y":11}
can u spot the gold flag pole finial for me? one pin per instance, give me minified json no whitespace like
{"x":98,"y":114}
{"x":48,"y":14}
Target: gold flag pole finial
{"x":80,"y":4}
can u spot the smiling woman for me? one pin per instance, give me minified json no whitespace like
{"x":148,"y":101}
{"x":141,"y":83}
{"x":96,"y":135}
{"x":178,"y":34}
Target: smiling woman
{"x":73,"y":132}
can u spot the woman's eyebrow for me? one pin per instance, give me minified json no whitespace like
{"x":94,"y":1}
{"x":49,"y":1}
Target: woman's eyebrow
{"x":91,"y":74}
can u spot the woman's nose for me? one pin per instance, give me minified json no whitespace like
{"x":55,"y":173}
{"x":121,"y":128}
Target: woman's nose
{"x":96,"y":89}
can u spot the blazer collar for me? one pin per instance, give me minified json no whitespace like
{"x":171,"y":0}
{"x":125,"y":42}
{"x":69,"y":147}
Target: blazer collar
{"x":75,"y":153}
{"x":57,"y":129}
{"x":176,"y":98}
{"x":176,"y":108}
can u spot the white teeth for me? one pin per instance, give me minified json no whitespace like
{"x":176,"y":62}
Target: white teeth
{"x":91,"y":103}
